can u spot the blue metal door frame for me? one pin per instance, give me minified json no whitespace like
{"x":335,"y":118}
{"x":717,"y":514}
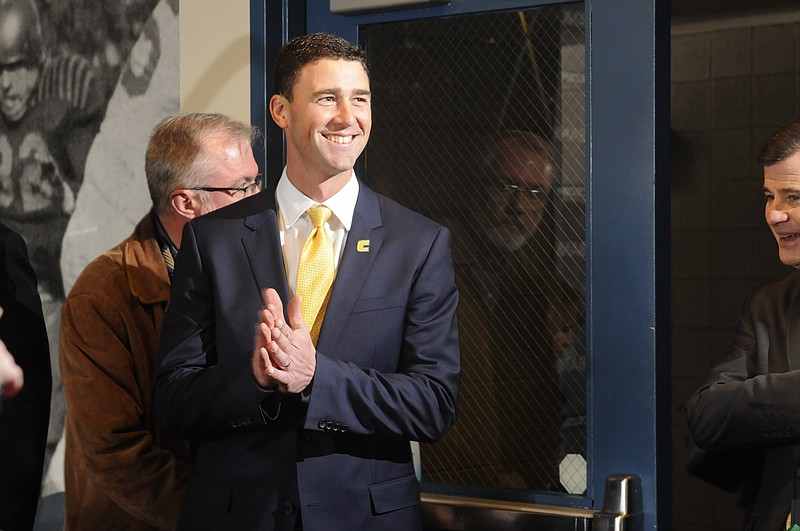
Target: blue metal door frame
{"x":628,"y":247}
{"x":627,"y":252}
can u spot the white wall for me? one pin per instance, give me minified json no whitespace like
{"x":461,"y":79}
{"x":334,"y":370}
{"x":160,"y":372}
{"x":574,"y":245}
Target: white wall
{"x":215,"y":57}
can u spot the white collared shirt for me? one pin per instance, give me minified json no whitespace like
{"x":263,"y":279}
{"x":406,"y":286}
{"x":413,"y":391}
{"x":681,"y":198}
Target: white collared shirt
{"x":295,"y":225}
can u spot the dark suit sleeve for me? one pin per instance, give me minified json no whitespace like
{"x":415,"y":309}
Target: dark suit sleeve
{"x":742,"y":403}
{"x":198,"y":391}
{"x":24,"y":418}
{"x":414,"y":398}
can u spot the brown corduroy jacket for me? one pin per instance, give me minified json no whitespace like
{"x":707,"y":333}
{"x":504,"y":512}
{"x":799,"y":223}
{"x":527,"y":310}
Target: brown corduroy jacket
{"x":120,"y":472}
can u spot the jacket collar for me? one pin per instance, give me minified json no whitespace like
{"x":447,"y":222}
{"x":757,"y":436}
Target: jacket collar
{"x":147,"y":273}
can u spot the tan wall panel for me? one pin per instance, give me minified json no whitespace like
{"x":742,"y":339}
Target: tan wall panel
{"x":215,"y":57}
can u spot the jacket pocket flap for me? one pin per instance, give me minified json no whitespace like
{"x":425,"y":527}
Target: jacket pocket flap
{"x":395,"y":494}
{"x":380,"y":303}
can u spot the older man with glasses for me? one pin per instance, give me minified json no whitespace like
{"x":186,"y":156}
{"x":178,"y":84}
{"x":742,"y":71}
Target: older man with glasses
{"x":503,"y":248}
{"x":238,"y":192}
{"x":120,"y":472}
{"x":519,"y":180}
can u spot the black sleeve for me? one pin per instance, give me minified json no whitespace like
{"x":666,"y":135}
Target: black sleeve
{"x":24,"y":418}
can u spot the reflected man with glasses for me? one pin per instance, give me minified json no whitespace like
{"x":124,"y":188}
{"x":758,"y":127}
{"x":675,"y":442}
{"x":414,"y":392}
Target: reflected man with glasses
{"x":518,"y":272}
{"x":510,"y":398}
{"x":120,"y":471}
{"x":518,"y":181}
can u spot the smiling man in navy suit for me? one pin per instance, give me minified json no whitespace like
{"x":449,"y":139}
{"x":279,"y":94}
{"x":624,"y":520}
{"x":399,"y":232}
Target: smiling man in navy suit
{"x":293,"y":432}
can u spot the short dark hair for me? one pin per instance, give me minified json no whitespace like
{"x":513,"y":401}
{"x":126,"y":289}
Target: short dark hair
{"x":311,"y":48}
{"x":781,"y":144}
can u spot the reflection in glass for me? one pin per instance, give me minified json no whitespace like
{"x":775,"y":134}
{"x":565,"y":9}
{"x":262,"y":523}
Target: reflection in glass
{"x":479,"y":123}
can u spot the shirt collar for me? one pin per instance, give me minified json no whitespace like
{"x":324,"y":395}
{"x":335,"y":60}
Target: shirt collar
{"x":292,"y":203}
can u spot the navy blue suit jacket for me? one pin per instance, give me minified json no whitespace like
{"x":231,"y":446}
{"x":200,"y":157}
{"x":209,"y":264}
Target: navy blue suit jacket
{"x":387,"y":372}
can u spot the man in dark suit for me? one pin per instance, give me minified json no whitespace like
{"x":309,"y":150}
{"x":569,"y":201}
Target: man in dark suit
{"x":24,"y":418}
{"x":749,"y":402}
{"x":294,"y":432}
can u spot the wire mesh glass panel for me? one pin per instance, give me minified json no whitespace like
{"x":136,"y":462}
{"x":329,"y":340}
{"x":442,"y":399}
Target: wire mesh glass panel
{"x":479,"y":124}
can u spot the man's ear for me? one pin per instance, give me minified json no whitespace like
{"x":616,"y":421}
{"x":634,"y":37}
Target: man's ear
{"x":186,"y":203}
{"x":278,"y":108}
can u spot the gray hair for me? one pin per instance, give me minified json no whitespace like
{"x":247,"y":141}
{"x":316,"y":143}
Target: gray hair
{"x":176,"y":157}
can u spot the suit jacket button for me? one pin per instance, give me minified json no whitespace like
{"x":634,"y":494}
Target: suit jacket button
{"x":288,"y":508}
{"x":323,"y":424}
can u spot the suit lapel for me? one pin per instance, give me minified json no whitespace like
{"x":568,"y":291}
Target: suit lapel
{"x":263,"y":248}
{"x":361,"y":248}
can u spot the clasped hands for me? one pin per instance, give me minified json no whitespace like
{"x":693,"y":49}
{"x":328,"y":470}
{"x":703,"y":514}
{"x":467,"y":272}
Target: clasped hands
{"x":284,"y":355}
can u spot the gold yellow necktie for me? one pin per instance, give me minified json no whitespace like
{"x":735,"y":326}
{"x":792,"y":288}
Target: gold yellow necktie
{"x":315,"y":270}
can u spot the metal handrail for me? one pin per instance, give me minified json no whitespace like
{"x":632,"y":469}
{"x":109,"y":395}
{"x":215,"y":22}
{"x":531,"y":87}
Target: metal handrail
{"x":622,"y":511}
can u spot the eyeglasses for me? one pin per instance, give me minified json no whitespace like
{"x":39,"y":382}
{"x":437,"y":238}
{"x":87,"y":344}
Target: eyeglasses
{"x":245,"y":190}
{"x":529,"y":192}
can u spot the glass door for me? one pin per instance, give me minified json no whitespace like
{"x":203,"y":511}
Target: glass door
{"x":479,"y":123}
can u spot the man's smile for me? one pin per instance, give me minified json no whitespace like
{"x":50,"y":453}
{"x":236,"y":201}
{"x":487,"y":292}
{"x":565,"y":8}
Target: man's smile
{"x":338,"y":139}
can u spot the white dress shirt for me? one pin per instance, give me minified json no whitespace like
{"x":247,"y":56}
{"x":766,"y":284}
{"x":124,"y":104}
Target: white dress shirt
{"x":295,"y":225}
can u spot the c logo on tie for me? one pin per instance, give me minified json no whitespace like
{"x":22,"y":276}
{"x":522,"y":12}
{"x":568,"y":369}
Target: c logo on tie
{"x":362,"y":246}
